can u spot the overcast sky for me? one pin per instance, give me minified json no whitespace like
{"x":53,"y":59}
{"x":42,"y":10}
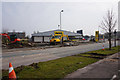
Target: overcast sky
{"x":45,"y":16}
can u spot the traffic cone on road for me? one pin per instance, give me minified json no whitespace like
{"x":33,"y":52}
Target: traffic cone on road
{"x":11,"y":72}
{"x":103,"y":47}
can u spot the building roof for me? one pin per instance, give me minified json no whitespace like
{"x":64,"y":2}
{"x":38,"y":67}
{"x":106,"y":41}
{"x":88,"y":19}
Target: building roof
{"x":49,"y":33}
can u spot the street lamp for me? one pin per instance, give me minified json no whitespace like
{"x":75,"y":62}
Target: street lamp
{"x":60,"y":19}
{"x":58,"y":26}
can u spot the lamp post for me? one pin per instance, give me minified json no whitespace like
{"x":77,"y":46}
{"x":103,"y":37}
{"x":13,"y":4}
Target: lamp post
{"x":58,"y":26}
{"x":60,"y":19}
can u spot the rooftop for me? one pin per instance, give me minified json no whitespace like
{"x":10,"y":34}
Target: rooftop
{"x":49,"y":33}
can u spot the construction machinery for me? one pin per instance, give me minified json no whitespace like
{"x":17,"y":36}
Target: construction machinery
{"x":58,"y":37}
{"x":11,"y":41}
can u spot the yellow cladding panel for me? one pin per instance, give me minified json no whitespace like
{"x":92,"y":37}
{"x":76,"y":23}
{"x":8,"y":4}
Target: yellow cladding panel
{"x":58,"y":32}
{"x":96,"y":36}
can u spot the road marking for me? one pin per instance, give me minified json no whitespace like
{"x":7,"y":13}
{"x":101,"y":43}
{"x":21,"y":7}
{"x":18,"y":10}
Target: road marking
{"x":113,"y":77}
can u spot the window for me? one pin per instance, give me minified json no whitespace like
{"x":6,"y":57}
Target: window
{"x":57,"y":37}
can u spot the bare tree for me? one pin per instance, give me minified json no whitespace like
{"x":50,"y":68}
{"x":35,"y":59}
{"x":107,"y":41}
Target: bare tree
{"x":108,"y":24}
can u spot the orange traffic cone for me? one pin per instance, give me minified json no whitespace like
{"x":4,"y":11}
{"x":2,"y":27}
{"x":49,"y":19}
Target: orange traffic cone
{"x":103,"y":47}
{"x":11,"y":72}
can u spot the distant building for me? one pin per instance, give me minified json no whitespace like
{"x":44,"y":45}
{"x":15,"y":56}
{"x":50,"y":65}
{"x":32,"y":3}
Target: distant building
{"x":80,"y":32}
{"x":20,"y":35}
{"x":45,"y":36}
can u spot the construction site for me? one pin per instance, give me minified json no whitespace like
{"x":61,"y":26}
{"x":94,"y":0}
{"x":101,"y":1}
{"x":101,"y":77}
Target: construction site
{"x":57,"y":40}
{"x":52,"y":38}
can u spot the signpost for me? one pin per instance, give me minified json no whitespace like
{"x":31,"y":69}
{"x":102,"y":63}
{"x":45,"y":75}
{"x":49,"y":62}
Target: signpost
{"x":96,"y":36}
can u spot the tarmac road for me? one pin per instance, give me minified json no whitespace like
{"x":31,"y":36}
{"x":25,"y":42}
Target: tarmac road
{"x":18,"y":58}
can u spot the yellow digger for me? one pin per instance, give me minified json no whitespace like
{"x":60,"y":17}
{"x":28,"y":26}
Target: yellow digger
{"x":58,"y":37}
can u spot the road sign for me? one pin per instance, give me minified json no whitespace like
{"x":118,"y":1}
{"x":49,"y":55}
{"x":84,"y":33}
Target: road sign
{"x":96,"y":36}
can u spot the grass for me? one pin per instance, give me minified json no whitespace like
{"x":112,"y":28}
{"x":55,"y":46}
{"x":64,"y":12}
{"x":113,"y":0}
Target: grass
{"x":106,"y":51}
{"x":53,"y":69}
{"x":99,"y":54}
{"x":59,"y":68}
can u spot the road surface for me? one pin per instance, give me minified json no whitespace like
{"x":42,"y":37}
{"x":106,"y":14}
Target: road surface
{"x":18,"y":58}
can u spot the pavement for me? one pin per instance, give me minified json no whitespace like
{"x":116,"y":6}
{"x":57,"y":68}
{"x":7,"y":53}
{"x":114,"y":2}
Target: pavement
{"x":104,"y":69}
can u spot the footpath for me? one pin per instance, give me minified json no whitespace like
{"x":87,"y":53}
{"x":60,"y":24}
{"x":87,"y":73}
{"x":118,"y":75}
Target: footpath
{"x":106,"y":69}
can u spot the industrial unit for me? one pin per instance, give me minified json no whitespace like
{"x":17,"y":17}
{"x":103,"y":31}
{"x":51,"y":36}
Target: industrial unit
{"x":45,"y":36}
{"x":20,"y":35}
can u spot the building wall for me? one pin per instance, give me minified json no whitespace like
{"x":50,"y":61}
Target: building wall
{"x":20,"y":35}
{"x":47,"y":38}
{"x":38,"y":39}
{"x":41,"y":39}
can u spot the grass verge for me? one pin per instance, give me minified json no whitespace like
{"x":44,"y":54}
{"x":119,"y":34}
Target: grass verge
{"x":59,"y":68}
